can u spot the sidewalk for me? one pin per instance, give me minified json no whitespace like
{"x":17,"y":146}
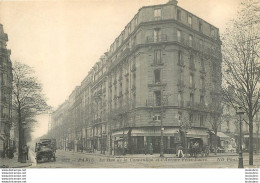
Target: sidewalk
{"x":13,"y":163}
{"x":97,"y":153}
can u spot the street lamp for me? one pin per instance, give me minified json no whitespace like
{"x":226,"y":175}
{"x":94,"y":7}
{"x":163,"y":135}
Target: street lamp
{"x":240,"y":112}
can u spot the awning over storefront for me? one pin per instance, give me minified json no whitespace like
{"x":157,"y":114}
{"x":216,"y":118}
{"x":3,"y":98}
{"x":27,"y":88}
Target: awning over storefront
{"x":147,"y":132}
{"x":153,"y":131}
{"x":254,"y":136}
{"x":197,"y":133}
{"x":223,"y":136}
{"x":120,"y":133}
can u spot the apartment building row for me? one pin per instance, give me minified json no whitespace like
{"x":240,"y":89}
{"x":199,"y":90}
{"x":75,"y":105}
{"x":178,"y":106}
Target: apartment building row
{"x":164,"y":69}
{"x":6,"y":78}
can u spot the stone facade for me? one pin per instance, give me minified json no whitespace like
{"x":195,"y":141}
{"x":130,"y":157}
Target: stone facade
{"x":5,"y":92}
{"x":164,"y":67}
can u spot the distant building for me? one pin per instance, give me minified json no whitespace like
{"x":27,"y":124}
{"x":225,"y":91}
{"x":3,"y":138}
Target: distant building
{"x":5,"y":92}
{"x":165,"y":66}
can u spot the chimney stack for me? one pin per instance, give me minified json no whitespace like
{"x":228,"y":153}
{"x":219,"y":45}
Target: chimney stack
{"x":173,"y":2}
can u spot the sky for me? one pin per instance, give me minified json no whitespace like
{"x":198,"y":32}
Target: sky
{"x":63,"y":39}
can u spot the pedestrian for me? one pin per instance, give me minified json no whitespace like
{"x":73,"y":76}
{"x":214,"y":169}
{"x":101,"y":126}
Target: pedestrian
{"x":151,"y":149}
{"x":180,"y":152}
{"x":27,"y":152}
{"x":191,"y":149}
{"x":24,"y":153}
{"x":145,"y":148}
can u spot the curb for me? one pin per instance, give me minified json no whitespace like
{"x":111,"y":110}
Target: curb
{"x":17,"y":166}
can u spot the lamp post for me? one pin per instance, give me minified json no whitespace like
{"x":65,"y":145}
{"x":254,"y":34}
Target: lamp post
{"x":240,"y":112}
{"x":257,"y":145}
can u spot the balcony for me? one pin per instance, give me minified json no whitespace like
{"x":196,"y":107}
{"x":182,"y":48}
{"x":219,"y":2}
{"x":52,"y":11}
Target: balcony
{"x":125,"y":52}
{"x":152,"y":39}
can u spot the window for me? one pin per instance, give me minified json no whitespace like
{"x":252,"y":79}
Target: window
{"x":178,"y":14}
{"x":179,"y":57}
{"x":202,"y":83}
{"x":200,"y":26}
{"x":202,"y":100}
{"x":189,"y":20}
{"x":157,"y":98}
{"x":192,"y":62}
{"x":136,"y":21}
{"x":212,"y":32}
{"x":157,"y":56}
{"x":172,"y":142}
{"x":134,"y":41}
{"x":157,"y":76}
{"x":201,"y":43}
{"x":191,"y":98}
{"x":129,"y":29}
{"x":157,"y":117}
{"x":191,"y":80}
{"x":180,"y":117}
{"x":191,"y":119}
{"x":201,"y":120}
{"x":190,"y":40}
{"x":157,"y":35}
{"x":157,"y":13}
{"x":180,"y":99}
{"x":202,"y":64}
{"x":178,"y":35}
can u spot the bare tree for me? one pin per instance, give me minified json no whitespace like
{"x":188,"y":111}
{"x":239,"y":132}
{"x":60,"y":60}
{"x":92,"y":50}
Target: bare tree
{"x":28,"y":100}
{"x":241,"y":64}
{"x":215,"y":124}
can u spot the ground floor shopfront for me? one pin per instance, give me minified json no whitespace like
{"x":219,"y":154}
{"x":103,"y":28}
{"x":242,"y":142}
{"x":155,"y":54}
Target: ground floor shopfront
{"x":148,"y":139}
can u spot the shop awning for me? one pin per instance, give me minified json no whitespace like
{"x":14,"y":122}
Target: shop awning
{"x":146,"y":132}
{"x":120,"y":133}
{"x":223,"y":136}
{"x":153,"y":131}
{"x":197,"y":133}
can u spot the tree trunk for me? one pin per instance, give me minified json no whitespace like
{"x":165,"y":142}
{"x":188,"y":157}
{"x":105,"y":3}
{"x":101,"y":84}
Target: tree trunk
{"x":251,"y":144}
{"x":215,"y":142}
{"x":21,"y":157}
{"x":20,"y":145}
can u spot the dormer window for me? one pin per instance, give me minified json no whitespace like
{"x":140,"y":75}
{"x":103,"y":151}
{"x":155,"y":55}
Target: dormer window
{"x":136,"y":21}
{"x":189,"y":20}
{"x":157,"y":14}
{"x":179,"y":15}
{"x":129,"y":29}
{"x":200,"y":27}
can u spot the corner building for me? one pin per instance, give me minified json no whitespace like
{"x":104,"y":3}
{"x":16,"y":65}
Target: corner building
{"x":163,"y":70}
